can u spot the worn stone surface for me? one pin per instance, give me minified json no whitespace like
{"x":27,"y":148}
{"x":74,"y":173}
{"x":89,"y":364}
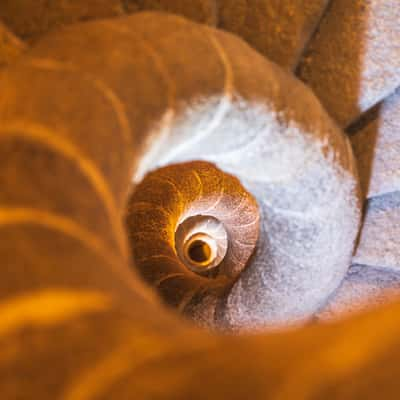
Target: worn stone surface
{"x":72,"y":325}
{"x":241,"y":112}
{"x":31,"y":18}
{"x":279,"y":29}
{"x":203,"y":11}
{"x":380,"y":234}
{"x":353,"y":61}
{"x":10,"y":46}
{"x":377,"y":150}
{"x":363,"y":288}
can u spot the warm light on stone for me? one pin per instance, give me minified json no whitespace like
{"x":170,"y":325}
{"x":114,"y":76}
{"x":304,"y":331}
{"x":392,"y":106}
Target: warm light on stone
{"x":201,"y":243}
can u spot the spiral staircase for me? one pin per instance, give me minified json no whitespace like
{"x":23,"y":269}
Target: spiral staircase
{"x":239,"y":146}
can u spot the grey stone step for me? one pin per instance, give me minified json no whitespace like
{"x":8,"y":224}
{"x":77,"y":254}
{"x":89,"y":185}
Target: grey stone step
{"x":353,"y":62}
{"x":363,"y":288}
{"x":379,"y":243}
{"x":377,"y":150}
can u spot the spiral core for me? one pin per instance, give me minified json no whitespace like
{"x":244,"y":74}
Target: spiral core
{"x":192,"y":248}
{"x":201,"y":243}
{"x":200,"y":250}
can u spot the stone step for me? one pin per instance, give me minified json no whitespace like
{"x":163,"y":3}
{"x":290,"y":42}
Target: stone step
{"x":10,"y":46}
{"x":30,"y":19}
{"x":377,"y":150}
{"x":279,"y":29}
{"x":363,"y":288}
{"x":379,"y":243}
{"x":353,"y":62}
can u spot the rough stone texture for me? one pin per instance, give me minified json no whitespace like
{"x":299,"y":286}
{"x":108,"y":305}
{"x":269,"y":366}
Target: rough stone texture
{"x":380,"y":234}
{"x":71,"y":326}
{"x":241,"y":112}
{"x":377,"y":150}
{"x":363,"y":288}
{"x":29,"y":19}
{"x":279,"y":29}
{"x":10,"y":46}
{"x":353,"y":61}
{"x":307,"y":199}
{"x":302,"y":228}
{"x":203,"y":11}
